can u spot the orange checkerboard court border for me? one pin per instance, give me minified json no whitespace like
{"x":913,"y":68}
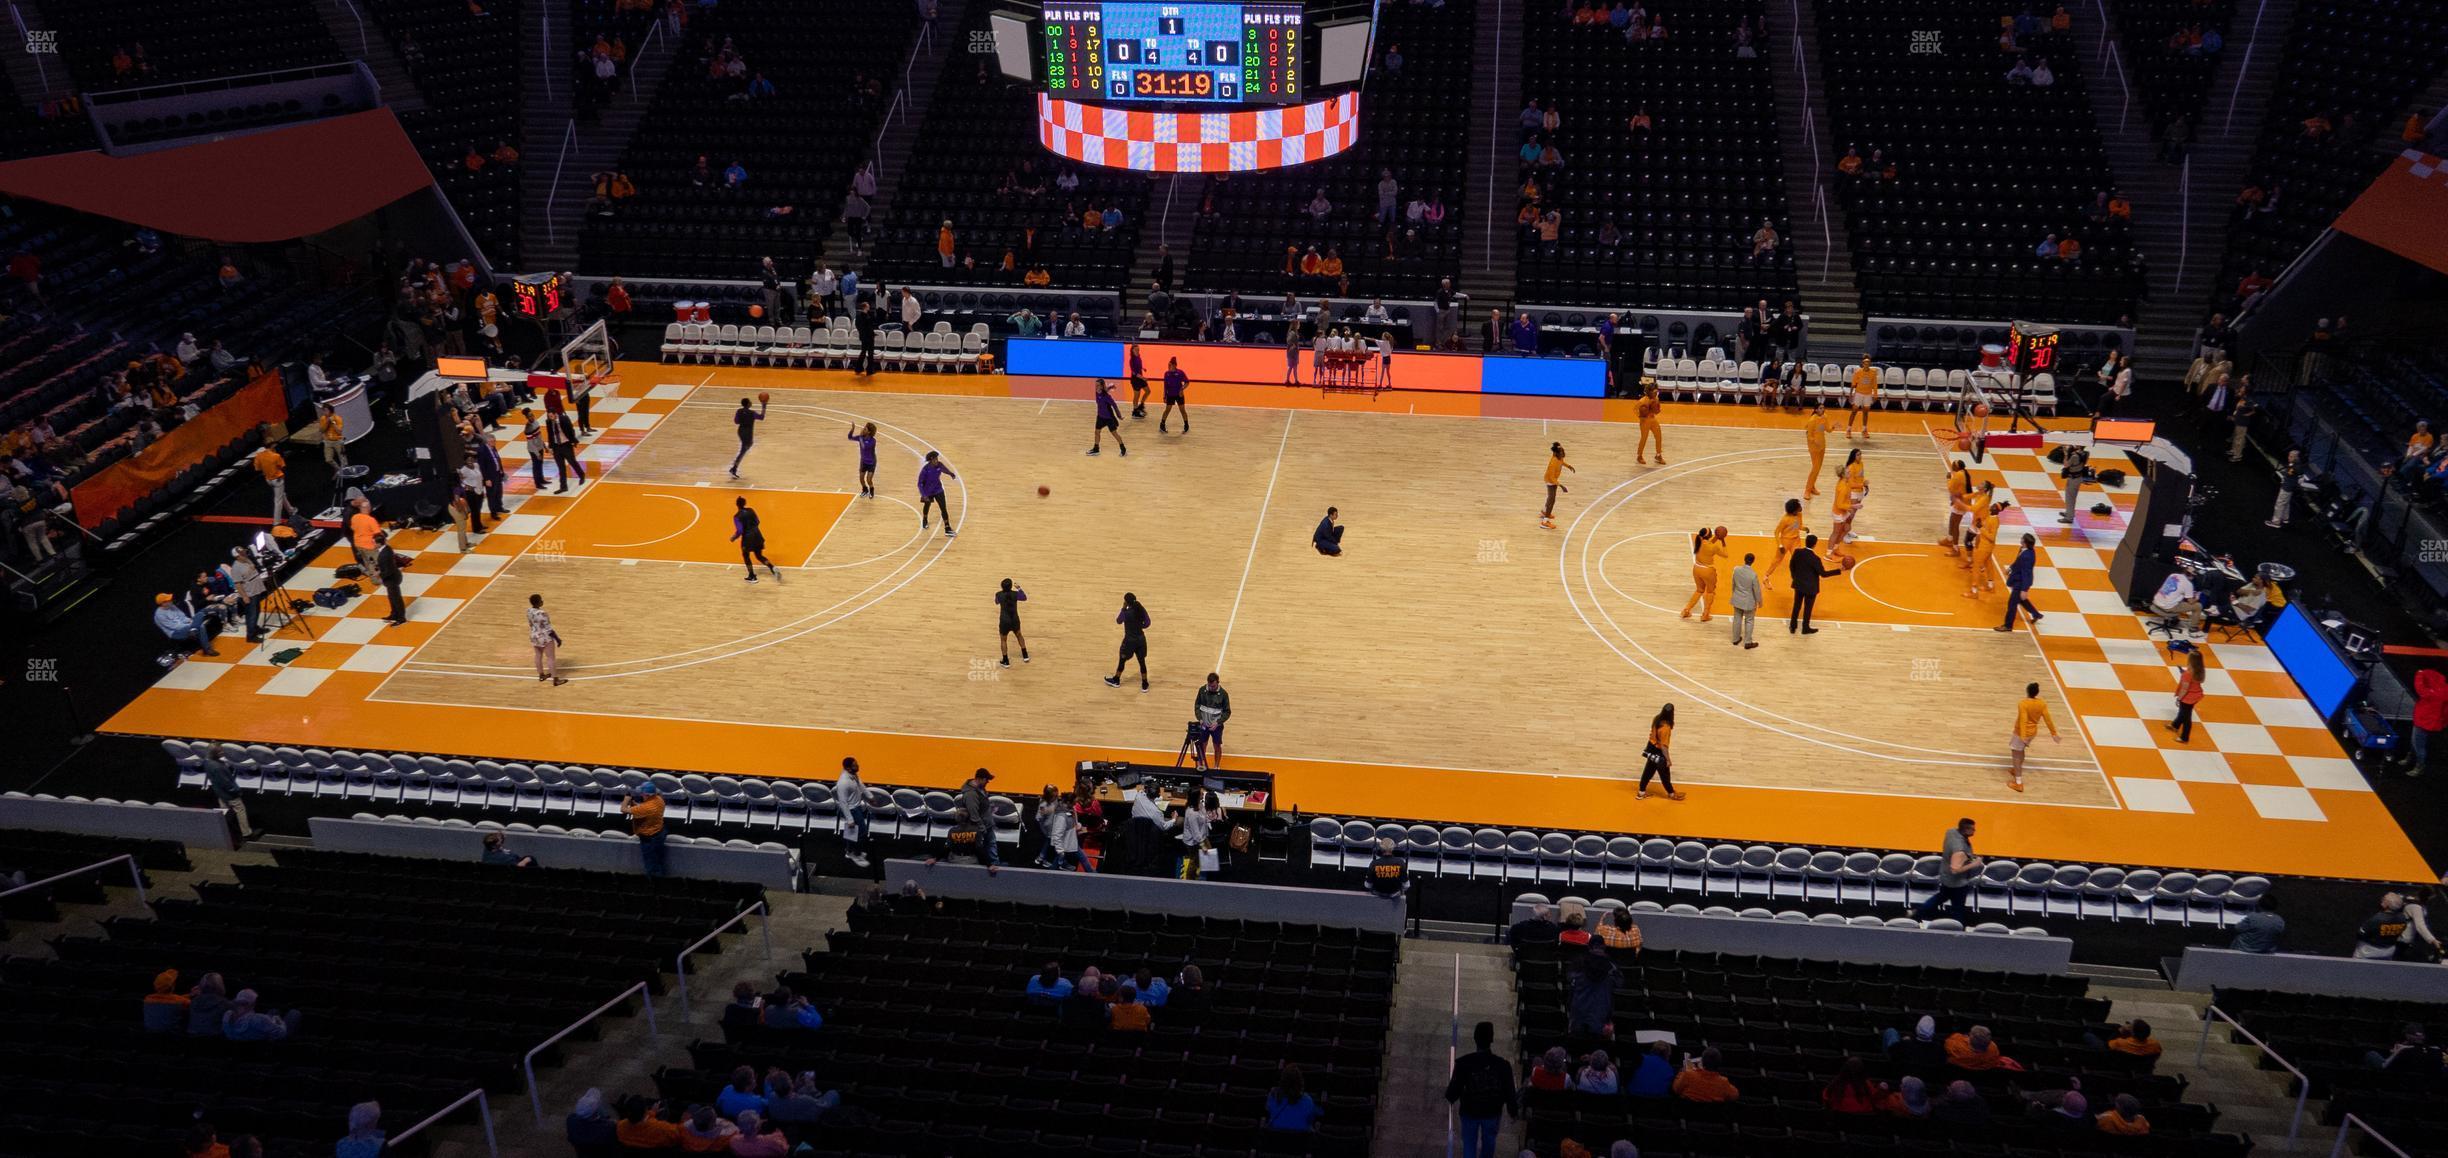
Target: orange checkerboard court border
{"x":2262,"y":787}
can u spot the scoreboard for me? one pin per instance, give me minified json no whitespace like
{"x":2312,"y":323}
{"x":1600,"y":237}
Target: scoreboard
{"x":1137,"y":51}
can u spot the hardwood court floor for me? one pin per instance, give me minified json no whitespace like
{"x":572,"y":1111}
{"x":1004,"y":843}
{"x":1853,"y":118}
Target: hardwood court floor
{"x":1457,"y":662}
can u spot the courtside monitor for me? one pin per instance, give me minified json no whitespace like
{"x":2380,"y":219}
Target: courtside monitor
{"x":2316,"y":667}
{"x":2124,"y":431}
{"x":460,"y":369}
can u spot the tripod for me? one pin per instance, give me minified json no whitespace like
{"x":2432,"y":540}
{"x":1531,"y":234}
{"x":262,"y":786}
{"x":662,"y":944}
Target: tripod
{"x":1193,"y":749}
{"x":273,"y":612}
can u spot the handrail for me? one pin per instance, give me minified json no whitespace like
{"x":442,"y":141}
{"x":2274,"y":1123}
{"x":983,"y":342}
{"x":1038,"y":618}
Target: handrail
{"x":2244,"y":66}
{"x":680,"y":960}
{"x":2184,"y":220}
{"x":484,"y":1114}
{"x":900,"y":97}
{"x":135,"y":876}
{"x":552,"y":196}
{"x":2118,"y":59}
{"x":2303,"y":1084}
{"x":1496,"y":136}
{"x":2355,"y":1123}
{"x":363,"y":45}
{"x":528,"y":1063}
{"x":544,"y":45}
{"x":25,"y":36}
{"x":653,"y":32}
{"x":1827,"y":232}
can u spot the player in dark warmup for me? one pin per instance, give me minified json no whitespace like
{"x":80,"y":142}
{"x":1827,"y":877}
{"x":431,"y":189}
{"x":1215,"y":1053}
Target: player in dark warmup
{"x":931,"y":492}
{"x":1108,"y":417}
{"x":1134,"y":620}
{"x":1139,"y":391}
{"x":1007,"y":620}
{"x":866,"y":445}
{"x":746,"y":417}
{"x":1177,"y":385}
{"x":751,"y":537}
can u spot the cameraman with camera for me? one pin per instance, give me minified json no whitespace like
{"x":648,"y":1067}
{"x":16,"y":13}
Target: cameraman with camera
{"x":1213,"y":707}
{"x":2077,"y":472}
{"x":245,"y":577}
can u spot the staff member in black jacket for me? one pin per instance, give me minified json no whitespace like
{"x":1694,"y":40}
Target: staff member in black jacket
{"x":387,"y":569}
{"x":1807,"y":571}
{"x":867,"y":323}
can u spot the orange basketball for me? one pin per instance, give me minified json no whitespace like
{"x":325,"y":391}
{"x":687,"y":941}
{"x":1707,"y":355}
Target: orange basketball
{"x":756,"y":311}
{"x":1721,"y":532}
{"x":1044,"y":491}
{"x":1980,"y":410}
{"x":763,"y":396}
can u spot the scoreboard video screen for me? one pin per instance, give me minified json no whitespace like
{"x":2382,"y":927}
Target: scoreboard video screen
{"x":1126,"y":51}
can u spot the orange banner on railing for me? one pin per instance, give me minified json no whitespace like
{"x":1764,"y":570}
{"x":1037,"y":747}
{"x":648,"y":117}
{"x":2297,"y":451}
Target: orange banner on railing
{"x":118,"y":487}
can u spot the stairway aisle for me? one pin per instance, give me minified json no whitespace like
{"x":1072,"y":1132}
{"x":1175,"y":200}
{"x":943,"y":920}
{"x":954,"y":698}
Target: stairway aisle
{"x":892,"y":153}
{"x":1442,"y":990}
{"x":1496,"y":99}
{"x":551,"y":213}
{"x":32,"y":78}
{"x":2181,"y":230}
{"x":1823,"y":257}
{"x":360,"y":36}
{"x":2250,"y":1100}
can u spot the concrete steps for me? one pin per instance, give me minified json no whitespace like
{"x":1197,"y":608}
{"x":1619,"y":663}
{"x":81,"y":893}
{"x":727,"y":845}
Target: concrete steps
{"x":34,"y":79}
{"x":1442,"y":989}
{"x":900,"y":137}
{"x":1488,"y":274}
{"x":360,"y":36}
{"x":553,"y":144}
{"x":1823,"y":256}
{"x":2250,"y":1100}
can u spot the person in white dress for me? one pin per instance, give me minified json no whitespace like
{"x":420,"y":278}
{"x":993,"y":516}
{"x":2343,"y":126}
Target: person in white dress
{"x":546,"y":641}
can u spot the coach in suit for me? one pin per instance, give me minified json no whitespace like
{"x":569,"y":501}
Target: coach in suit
{"x":1807,"y":571}
{"x":387,"y":570}
{"x":1745,"y":596}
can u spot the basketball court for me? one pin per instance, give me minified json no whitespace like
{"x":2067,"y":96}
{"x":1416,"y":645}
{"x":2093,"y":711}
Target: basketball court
{"x":1457,"y":663}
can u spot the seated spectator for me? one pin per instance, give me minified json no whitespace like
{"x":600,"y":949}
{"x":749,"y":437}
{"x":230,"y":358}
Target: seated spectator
{"x":1973,"y":1050}
{"x":2042,"y":76}
{"x":1962,"y":1106}
{"x":1851,"y":1091}
{"x":1576,"y":922}
{"x":741,"y":1094}
{"x":1700,"y":1081}
{"x":496,"y":852}
{"x":206,"y":1004}
{"x":2071,"y":1115}
{"x":706,"y":1132}
{"x":1597,"y":1074}
{"x":2376,"y":938}
{"x":2260,"y":929}
{"x":1319,"y":206}
{"x":1288,"y":1106}
{"x":1126,"y":1014}
{"x":243,"y":1023}
{"x":1909,"y":1100}
{"x":165,"y":1009}
{"x":757,"y":1139}
{"x":2413,"y":1055}
{"x":1186,"y":1000}
{"x":204,"y":1142}
{"x":1539,"y":928}
{"x":787,"y":1010}
{"x":1152,"y":989}
{"x":2133,"y":1039}
{"x":1552,"y":1071}
{"x":799,"y":1102}
{"x":1049,"y":987}
{"x":365,"y":1134}
{"x":182,"y":626}
{"x":2021,"y":73}
{"x":746,"y":1011}
{"x":1654,"y":1076}
{"x":2124,"y":1117}
{"x":590,"y":1129}
{"x":1851,"y":163}
{"x":1619,"y":933}
{"x":1919,"y":1052}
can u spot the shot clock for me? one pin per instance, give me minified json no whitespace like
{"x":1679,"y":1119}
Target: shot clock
{"x":1132,"y":51}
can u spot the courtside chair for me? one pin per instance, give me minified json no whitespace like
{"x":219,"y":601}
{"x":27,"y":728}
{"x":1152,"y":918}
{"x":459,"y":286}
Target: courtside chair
{"x":892,"y":348}
{"x":1488,"y":853}
{"x":674,"y":794}
{"x":909,"y":811}
{"x":1924,"y":880}
{"x":1690,"y":872}
{"x":415,"y":785}
{"x":1758,"y":871}
{"x":1792,"y":865}
{"x":1723,"y":872}
{"x":1357,"y":842}
{"x":500,"y":791}
{"x":1623,"y":862}
{"x":1860,"y":879}
{"x":1892,"y":883}
{"x":1903,"y":923}
{"x":360,"y":781}
{"x":2247,"y":892}
{"x":560,"y":786}
{"x":1422,"y":845}
{"x":527,"y":788}
{"x":1326,"y":840}
{"x":1555,"y":857}
{"x":2065,"y":890}
{"x":389,"y":783}
{"x":1867,"y":922}
{"x":2173,"y":900}
{"x":2208,"y":904}
{"x":730,"y":800}
{"x":883,"y":813}
{"x":588,"y":790}
{"x":939,"y":807}
{"x":469,"y":784}
{"x":2134,"y":896}
{"x":790,"y":805}
{"x":2031,"y":885}
{"x":1656,"y":853}
{"x":1825,"y":876}
{"x":2100,"y":891}
{"x":1588,"y":860}
{"x":1993,"y":888}
{"x":1453,"y":848}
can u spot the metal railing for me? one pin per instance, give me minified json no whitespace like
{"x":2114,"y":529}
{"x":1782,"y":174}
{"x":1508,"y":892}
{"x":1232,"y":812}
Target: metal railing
{"x":2252,"y":41}
{"x":544,"y":45}
{"x":1496,"y":137}
{"x":680,"y":960}
{"x":536,"y":1093}
{"x":2184,"y":220}
{"x":2303,"y":1084}
{"x":2117,"y":61}
{"x":552,"y":196}
{"x":26,"y":37}
{"x":364,"y":46}
{"x":901,"y":97}
{"x":135,"y":877}
{"x":2352,"y":1124}
{"x":484,"y":1114}
{"x":654,"y":32}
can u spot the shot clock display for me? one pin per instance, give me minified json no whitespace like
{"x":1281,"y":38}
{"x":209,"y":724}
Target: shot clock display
{"x":1125,"y":51}
{"x":539,"y":295}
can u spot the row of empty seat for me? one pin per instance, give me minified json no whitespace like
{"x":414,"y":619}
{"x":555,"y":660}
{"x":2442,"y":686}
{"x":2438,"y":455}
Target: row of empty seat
{"x":826,"y":346}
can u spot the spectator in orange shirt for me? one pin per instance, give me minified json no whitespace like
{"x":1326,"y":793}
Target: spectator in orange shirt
{"x":2124,"y":1117}
{"x":2412,"y":134}
{"x":644,"y":808}
{"x":2133,"y":1039}
{"x":1700,"y":1081}
{"x":1974,"y":1049}
{"x":2070,"y":249}
{"x":275,"y":472}
{"x":616,"y":299}
{"x":706,"y":1132}
{"x":362,"y":527}
{"x":944,"y":243}
{"x":643,"y":1125}
{"x":335,"y":437}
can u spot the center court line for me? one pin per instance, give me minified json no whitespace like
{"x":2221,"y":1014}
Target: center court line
{"x":1254,"y":532}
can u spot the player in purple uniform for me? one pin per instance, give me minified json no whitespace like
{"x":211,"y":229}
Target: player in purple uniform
{"x":1138,"y":371}
{"x":931,"y":491}
{"x":1134,"y":620}
{"x":1176,"y":384}
{"x":750,"y":536}
{"x":746,"y":417}
{"x":1108,"y":417}
{"x":866,"y":444}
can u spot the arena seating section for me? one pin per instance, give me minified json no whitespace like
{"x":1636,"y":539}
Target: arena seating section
{"x":1784,"y":1025}
{"x":467,"y":72}
{"x":185,"y":41}
{"x":1414,"y":124}
{"x":976,"y":156}
{"x":1985,"y":170}
{"x":2358,"y":59}
{"x":2382,"y":393}
{"x":2327,"y":1037}
{"x":419,"y":980}
{"x":1685,"y":197}
{"x":108,"y":304}
{"x":26,"y":132}
{"x":2171,"y":82}
{"x":45,"y":854}
{"x":798,"y":146}
{"x":927,"y":1026}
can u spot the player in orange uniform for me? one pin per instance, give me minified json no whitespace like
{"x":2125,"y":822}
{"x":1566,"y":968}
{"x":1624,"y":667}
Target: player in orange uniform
{"x":1981,"y":557}
{"x":1814,"y":433}
{"x":1851,"y":487}
{"x":1556,"y":466}
{"x":1657,"y":759}
{"x":1707,"y":547}
{"x":1865,"y":396}
{"x":1789,"y":532}
{"x":1959,"y":504}
{"x":1648,"y":409}
{"x":2030,"y":714}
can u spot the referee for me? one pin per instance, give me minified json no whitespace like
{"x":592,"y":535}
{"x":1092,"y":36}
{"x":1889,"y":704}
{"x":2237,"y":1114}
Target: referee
{"x":751,"y":537}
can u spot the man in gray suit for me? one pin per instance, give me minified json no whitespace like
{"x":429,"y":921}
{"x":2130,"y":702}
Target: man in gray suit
{"x":1746,"y":599}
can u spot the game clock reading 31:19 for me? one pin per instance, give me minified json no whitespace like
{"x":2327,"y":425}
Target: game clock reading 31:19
{"x":1131,"y":51}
